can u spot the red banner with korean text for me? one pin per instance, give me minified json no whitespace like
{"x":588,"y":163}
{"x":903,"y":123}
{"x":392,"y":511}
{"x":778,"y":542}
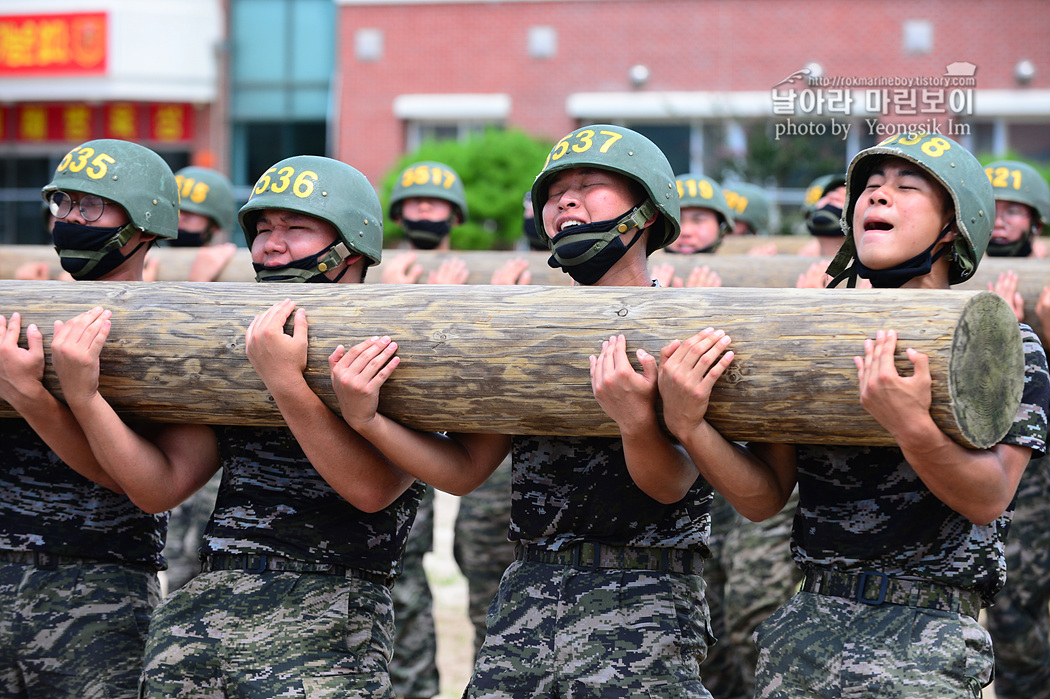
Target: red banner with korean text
{"x":76,"y":122}
{"x":53,"y":44}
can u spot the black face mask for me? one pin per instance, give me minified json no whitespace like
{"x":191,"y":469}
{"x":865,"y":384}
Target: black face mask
{"x":586,"y":252}
{"x":425,"y":235}
{"x":825,"y":221}
{"x":306,"y":269}
{"x":1022,"y":247}
{"x":896,"y":276}
{"x":191,"y":239}
{"x":91,"y":252}
{"x":533,"y":236}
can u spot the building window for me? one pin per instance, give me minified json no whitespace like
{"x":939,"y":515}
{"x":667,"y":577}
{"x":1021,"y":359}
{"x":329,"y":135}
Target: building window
{"x":918,"y":36}
{"x":542,"y":42}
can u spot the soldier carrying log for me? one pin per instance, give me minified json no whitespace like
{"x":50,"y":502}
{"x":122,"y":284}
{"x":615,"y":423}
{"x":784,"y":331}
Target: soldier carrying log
{"x":901,"y":546}
{"x":310,"y":520}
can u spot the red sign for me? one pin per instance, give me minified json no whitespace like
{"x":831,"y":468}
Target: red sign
{"x":58,"y":44}
{"x":76,"y":122}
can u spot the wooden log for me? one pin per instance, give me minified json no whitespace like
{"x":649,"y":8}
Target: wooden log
{"x":777,"y":271}
{"x":514,"y":360}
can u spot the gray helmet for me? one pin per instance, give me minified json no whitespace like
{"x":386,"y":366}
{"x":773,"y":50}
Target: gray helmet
{"x":750,"y":204}
{"x":327,"y":189}
{"x":956,"y":169}
{"x":429,"y":179}
{"x":1021,"y":183}
{"x":209,"y":193}
{"x":620,"y":150}
{"x":125,"y":173}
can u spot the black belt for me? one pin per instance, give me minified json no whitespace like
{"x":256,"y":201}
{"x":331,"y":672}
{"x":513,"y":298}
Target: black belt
{"x":261,"y":563}
{"x":878,"y":588}
{"x":42,"y":559}
{"x":595,"y":555}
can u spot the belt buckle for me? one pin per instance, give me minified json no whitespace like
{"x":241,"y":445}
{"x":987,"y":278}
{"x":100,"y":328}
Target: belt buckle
{"x":260,"y":567}
{"x":862,"y":585}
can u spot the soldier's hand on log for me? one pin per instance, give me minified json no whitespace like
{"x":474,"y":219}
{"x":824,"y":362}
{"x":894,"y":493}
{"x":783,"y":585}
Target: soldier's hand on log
{"x":664,"y":275}
{"x":896,"y":402}
{"x":33,"y":271}
{"x":628,"y":397}
{"x":75,"y":350}
{"x":512,"y":272}
{"x":278,"y":358}
{"x":814,"y":277}
{"x":1042,"y":308}
{"x":21,"y":370}
{"x":688,"y":373}
{"x":358,"y":374}
{"x":763,"y":249}
{"x":210,"y":260}
{"x":401,"y":270}
{"x":1006,"y":288}
{"x":151,"y":269}
{"x":451,"y":271}
{"x":703,"y":277}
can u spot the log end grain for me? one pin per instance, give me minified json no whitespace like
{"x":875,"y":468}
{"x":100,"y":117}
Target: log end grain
{"x":986,"y":376}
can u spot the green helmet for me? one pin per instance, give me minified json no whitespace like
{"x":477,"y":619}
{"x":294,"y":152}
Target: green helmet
{"x":628,"y":153}
{"x":326,"y":189}
{"x":749,"y":204}
{"x":818,"y":188}
{"x":429,"y":179}
{"x":1018,"y":182}
{"x":956,"y":169}
{"x":209,"y":193}
{"x":125,"y":173}
{"x":703,"y":193}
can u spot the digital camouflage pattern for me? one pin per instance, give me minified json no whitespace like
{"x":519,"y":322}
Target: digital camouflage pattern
{"x":481,"y":546}
{"x":73,"y":630}
{"x":817,"y":646}
{"x":560,"y":631}
{"x":900,"y":529}
{"x":271,"y":500}
{"x":570,"y":489}
{"x":47,"y":506}
{"x":232,"y":634}
{"x":185,"y":532}
{"x":413,"y":667}
{"x":721,"y":669}
{"x":760,"y":576}
{"x":1019,"y":621}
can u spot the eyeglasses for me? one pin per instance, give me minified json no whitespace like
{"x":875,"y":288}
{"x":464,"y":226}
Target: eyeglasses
{"x":91,"y":206}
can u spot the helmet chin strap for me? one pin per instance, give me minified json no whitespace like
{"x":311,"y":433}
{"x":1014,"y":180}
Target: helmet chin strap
{"x":636,"y":218}
{"x":311,"y":266}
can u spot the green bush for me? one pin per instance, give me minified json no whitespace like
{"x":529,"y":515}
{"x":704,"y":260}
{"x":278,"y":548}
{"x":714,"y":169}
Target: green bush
{"x":496,"y":167}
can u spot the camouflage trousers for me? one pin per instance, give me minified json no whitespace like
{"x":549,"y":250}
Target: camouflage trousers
{"x":413,"y":668}
{"x":559,"y":631}
{"x":750,"y":574}
{"x":818,"y":646}
{"x":230,"y":633}
{"x":481,"y":547}
{"x":73,"y":630}
{"x":1020,"y":621}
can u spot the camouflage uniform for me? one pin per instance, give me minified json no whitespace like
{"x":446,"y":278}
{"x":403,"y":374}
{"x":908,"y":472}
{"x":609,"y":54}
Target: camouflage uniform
{"x":606,"y":597}
{"x":185,"y":529}
{"x":901,"y":577}
{"x":481,"y":546}
{"x":294,"y":597}
{"x":760,"y":576}
{"x":721,"y":670}
{"x":413,"y":667}
{"x":1019,"y":622}
{"x":78,"y":577}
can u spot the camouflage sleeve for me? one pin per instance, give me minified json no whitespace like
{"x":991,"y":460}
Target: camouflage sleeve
{"x":1029,"y":428}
